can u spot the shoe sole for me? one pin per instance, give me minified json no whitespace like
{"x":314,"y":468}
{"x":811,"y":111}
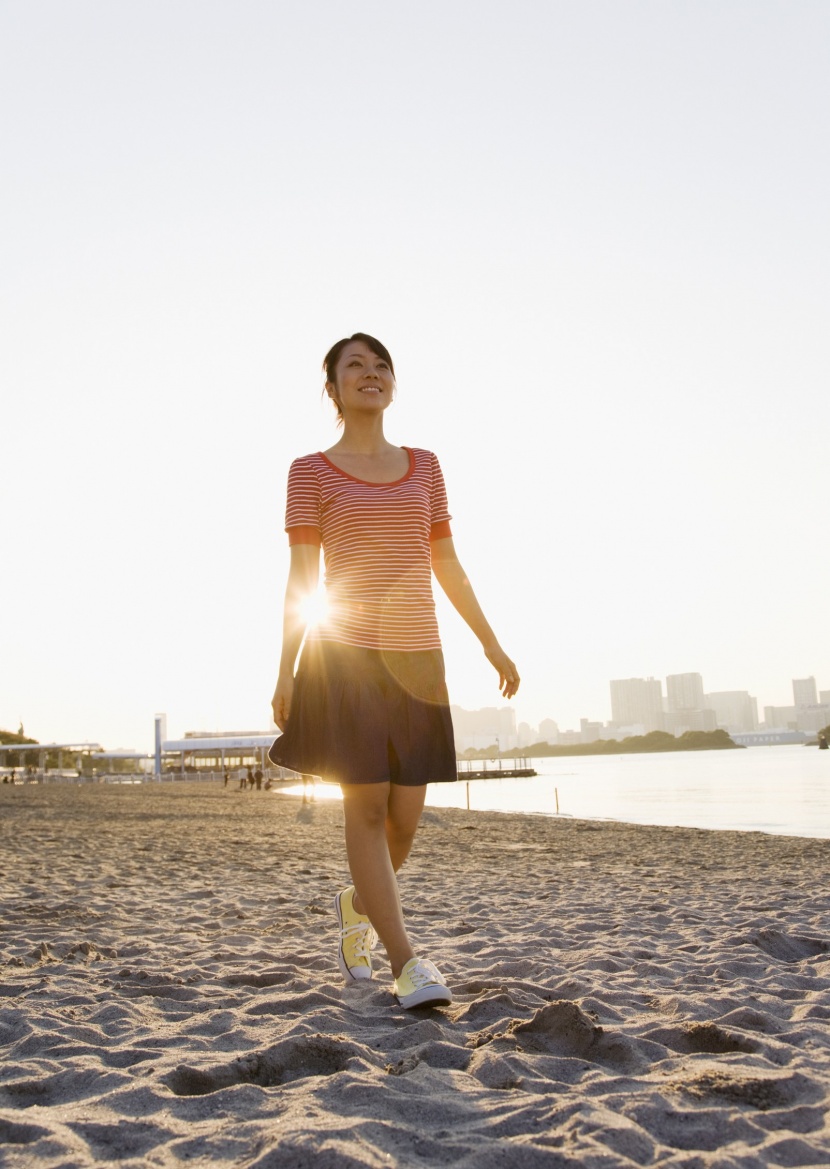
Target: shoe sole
{"x":341,"y":961}
{"x":427,"y":996}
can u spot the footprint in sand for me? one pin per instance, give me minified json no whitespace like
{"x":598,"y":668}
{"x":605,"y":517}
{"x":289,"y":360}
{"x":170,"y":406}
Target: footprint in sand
{"x":761,"y":1092}
{"x":701,"y":1039}
{"x":293,"y":1059}
{"x":20,"y":1134}
{"x":563,"y":1029}
{"x":779,"y":945}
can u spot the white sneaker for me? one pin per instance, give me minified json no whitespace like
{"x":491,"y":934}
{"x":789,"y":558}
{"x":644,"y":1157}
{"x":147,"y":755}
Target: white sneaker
{"x":421,"y":984}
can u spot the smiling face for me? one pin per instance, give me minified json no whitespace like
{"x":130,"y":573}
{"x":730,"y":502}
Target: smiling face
{"x":363,"y":380}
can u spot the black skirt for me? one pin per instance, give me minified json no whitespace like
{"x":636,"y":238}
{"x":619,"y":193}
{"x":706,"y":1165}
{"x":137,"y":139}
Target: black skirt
{"x":369,"y":716}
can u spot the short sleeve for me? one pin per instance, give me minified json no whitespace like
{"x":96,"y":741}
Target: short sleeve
{"x":439,"y":508}
{"x":303,"y":504}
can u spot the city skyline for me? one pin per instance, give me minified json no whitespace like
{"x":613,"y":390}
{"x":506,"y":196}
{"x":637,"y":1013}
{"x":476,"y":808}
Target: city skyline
{"x":639,"y":706}
{"x":503,"y":721}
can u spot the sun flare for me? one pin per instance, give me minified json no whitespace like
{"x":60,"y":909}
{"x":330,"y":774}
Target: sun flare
{"x":314,"y":608}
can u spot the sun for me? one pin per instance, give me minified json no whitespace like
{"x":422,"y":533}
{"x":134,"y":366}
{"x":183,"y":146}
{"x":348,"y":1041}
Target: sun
{"x":314,"y":608}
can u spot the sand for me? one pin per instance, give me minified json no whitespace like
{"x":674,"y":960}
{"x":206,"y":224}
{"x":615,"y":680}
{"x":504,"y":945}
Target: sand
{"x":623,"y":995}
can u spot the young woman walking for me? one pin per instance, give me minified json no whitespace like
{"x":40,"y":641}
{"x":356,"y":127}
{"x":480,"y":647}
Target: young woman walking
{"x":368,"y":705}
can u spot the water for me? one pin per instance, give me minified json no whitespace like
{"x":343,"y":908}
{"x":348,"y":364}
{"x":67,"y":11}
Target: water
{"x":784,"y":790}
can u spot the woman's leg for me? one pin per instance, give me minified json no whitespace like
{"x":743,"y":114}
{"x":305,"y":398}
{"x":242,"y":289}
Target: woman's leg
{"x":402,"y":819}
{"x":372,"y":810}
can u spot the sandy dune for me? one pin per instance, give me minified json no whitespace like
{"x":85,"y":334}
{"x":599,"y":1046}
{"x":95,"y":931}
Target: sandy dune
{"x":624,"y":995}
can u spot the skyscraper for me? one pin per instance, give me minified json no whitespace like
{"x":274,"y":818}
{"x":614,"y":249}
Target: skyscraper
{"x":637,"y":700}
{"x":805,"y":692}
{"x":736,"y":710}
{"x":684,"y":692}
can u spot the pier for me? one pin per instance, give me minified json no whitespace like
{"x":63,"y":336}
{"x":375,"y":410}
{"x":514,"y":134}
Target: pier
{"x":522,"y":771}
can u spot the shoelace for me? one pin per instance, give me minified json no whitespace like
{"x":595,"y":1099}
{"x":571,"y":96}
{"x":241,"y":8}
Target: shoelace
{"x":422,"y":974}
{"x":365,"y":939}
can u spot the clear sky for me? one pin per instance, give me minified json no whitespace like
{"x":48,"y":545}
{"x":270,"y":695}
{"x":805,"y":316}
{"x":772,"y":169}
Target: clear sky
{"x":594,"y":236}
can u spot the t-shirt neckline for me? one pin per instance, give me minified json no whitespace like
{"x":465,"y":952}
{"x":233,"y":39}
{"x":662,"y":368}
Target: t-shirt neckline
{"x":368,"y":482}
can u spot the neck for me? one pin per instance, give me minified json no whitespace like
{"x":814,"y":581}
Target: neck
{"x":363,"y":435}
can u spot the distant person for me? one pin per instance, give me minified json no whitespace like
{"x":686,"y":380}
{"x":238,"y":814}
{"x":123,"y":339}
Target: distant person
{"x":258,"y":779}
{"x":368,"y":707}
{"x":227,"y":778}
{"x":250,"y":779}
{"x":243,"y":779}
{"x":309,"y":784}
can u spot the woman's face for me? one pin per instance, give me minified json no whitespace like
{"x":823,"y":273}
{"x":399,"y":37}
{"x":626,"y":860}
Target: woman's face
{"x":364,"y":380}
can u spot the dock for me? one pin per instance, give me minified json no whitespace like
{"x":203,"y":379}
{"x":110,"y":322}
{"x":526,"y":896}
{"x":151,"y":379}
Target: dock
{"x":523,"y":771}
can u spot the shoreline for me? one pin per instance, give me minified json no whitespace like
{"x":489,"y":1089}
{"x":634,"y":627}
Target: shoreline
{"x":624,"y":994}
{"x":280,"y":786}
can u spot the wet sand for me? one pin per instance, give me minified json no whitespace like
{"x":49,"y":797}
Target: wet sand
{"x":623,"y":995}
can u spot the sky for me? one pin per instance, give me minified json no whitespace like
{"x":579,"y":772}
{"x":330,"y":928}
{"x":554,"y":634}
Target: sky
{"x":593,"y":235}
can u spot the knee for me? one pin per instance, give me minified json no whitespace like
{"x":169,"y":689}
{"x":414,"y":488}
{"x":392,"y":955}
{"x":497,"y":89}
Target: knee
{"x":366,"y":816}
{"x":401,"y":830}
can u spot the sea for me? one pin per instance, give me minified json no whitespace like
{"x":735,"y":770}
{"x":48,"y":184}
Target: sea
{"x":782,"y":789}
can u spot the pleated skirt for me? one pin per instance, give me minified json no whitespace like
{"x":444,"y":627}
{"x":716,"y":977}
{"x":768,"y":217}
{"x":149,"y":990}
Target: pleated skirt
{"x":369,"y":716}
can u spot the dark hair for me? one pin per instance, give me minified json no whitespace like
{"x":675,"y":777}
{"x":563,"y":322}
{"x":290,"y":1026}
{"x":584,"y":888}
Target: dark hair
{"x":333,"y":356}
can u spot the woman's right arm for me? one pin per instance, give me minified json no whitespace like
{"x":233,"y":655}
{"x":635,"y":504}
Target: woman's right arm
{"x":303,"y":576}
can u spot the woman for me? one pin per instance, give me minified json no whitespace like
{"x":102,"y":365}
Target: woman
{"x":368,"y":706}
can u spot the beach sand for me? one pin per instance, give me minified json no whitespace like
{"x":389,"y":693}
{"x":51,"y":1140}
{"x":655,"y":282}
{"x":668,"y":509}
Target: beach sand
{"x":623,"y":995}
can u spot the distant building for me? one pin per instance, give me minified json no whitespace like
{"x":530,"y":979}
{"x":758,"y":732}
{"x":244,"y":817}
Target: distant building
{"x":527,"y":735}
{"x":805,"y":692}
{"x":478,"y":729}
{"x":684,"y":692}
{"x":736,"y":710}
{"x":813,"y":718}
{"x":768,"y":738}
{"x":548,"y":731}
{"x":619,"y":732}
{"x":780,"y":718}
{"x":812,"y":710}
{"x":678,"y":722}
{"x":589,"y":732}
{"x":637,"y":700}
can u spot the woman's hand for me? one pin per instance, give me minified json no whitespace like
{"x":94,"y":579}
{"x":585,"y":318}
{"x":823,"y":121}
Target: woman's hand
{"x":281,"y":702}
{"x":508,"y":674}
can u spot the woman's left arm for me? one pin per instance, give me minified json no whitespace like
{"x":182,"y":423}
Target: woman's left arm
{"x":453,"y":580}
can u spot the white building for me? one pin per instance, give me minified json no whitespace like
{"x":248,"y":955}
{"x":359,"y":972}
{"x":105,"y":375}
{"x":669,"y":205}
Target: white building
{"x":527,"y":735}
{"x":813,"y":718}
{"x":780,"y":718}
{"x":589,"y":732}
{"x":678,"y":722}
{"x":684,"y":692}
{"x":548,"y":731}
{"x":736,"y":710}
{"x":805,"y":692}
{"x":637,"y":700}
{"x":489,"y":727}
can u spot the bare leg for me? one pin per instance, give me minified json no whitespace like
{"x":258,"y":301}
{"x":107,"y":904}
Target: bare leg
{"x":374,"y":813}
{"x":402,"y":819}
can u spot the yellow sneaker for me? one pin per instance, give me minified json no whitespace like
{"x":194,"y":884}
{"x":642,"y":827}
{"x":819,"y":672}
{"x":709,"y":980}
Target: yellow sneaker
{"x":357,"y":938}
{"x":421,"y":984}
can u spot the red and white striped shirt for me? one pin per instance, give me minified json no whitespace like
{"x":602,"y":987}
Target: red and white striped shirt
{"x":375,"y":539}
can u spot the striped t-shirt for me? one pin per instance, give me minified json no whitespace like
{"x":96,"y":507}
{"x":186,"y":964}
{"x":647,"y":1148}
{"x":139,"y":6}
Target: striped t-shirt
{"x":375,"y":539}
